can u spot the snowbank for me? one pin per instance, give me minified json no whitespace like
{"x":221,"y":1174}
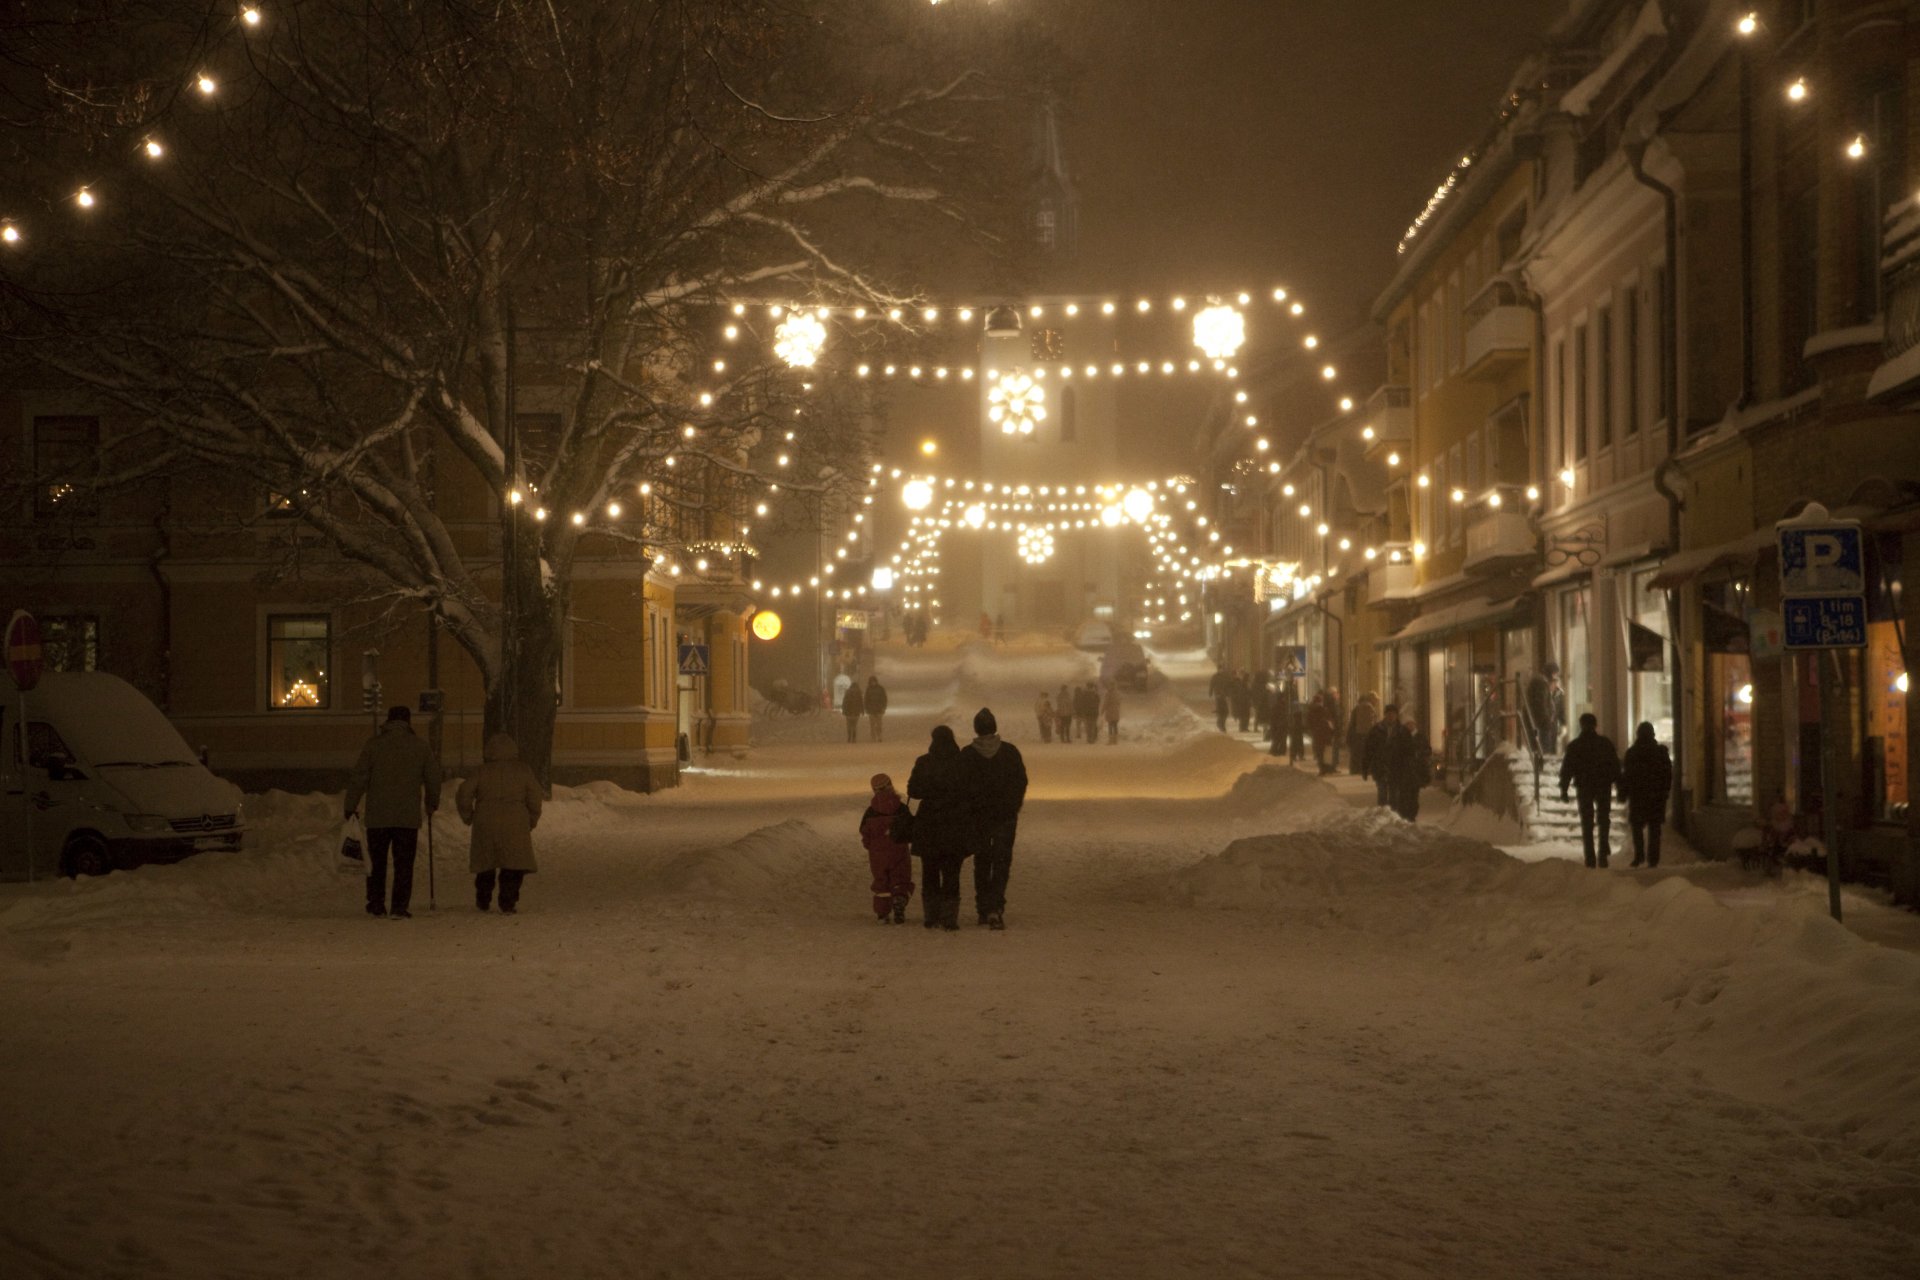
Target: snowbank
{"x":756,"y":870}
{"x":1770,"y":998}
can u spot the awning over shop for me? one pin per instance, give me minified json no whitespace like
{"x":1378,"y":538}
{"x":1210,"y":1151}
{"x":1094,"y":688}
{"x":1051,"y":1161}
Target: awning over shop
{"x":1459,"y":617}
{"x":1683,"y":567}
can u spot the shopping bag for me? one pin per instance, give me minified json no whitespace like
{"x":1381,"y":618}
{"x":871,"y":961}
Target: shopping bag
{"x":353,"y":838}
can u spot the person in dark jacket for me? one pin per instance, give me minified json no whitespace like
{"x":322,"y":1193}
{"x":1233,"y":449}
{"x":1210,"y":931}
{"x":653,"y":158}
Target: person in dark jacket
{"x":1240,"y":694}
{"x":1063,"y":715}
{"x":1592,"y":767}
{"x":1086,"y":709}
{"x":875,"y":700}
{"x":1646,"y":780}
{"x":1410,"y":766}
{"x":940,"y":828}
{"x":395,"y":775}
{"x":853,"y":706}
{"x":890,"y":861}
{"x":1376,"y":749}
{"x":1366,"y":714}
{"x":1321,"y":727}
{"x":996,"y":786}
{"x":1220,"y":689}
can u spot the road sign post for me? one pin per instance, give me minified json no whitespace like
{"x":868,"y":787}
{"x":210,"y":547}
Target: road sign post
{"x":1823,"y":606}
{"x":25,"y":661}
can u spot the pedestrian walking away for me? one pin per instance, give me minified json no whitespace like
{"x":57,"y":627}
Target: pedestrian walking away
{"x":501,"y":802}
{"x":1321,"y":728}
{"x":1063,"y":712}
{"x":1374,"y":759}
{"x":1646,"y":780}
{"x":940,"y":828}
{"x":995,"y":781}
{"x":1240,"y":694}
{"x":1220,"y":689}
{"x":1366,"y":713}
{"x":890,"y":860}
{"x":853,"y":705}
{"x":875,"y":701}
{"x":1410,"y":759}
{"x":1086,"y":709}
{"x":1592,"y":767}
{"x":397,"y":777}
{"x":1043,"y":716}
{"x":1110,"y":711}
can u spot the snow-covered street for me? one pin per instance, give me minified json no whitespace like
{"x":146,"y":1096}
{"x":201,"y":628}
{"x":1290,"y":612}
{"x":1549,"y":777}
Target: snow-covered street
{"x":1236,"y":1026}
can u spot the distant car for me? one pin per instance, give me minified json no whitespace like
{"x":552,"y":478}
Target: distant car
{"x":1094,"y":636}
{"x":1126,"y":663}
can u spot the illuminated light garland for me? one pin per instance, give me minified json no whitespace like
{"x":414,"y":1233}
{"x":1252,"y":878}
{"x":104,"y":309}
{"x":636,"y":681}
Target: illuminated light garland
{"x":800,"y":339}
{"x":1219,"y":332}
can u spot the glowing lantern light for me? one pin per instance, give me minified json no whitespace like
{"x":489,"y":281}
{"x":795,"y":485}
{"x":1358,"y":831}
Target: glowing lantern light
{"x":766,"y":623}
{"x":1138,"y":505}
{"x":975,"y":516}
{"x":1219,"y":332}
{"x":799,"y":340}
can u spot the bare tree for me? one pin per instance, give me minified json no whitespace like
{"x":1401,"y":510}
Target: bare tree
{"x":326,"y":251}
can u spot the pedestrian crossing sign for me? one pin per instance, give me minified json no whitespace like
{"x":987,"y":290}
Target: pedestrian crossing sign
{"x":1293,"y":661}
{"x":693,"y":659}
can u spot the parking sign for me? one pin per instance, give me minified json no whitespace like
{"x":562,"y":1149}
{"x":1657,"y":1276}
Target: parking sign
{"x":1823,"y":581}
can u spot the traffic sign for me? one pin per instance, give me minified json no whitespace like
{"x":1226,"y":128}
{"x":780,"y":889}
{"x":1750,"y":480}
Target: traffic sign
{"x":1822,"y":560}
{"x":693,"y":659}
{"x":1823,"y":581}
{"x":24,"y":654}
{"x":1293,"y":661}
{"x":1825,"y":622}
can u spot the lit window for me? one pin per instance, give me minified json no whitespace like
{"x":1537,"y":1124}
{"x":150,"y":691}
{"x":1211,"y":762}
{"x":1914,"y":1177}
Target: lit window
{"x":299,"y":661}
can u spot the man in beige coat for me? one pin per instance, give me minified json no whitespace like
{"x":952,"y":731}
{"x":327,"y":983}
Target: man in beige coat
{"x":501,"y":802}
{"x":396,"y":771}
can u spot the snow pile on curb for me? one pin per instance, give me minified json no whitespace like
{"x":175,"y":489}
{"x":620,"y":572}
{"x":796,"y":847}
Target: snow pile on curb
{"x":1275,"y":786}
{"x":757,"y":869}
{"x":1771,"y":1000}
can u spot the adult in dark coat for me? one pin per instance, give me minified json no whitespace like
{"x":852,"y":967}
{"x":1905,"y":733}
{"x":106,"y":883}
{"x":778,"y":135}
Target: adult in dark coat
{"x":1410,"y":764}
{"x":1376,"y":751}
{"x":1321,"y":727}
{"x":1063,"y":711}
{"x":940,"y":828}
{"x":1220,"y":689}
{"x":396,"y":775}
{"x":1240,"y":694}
{"x":996,"y":787}
{"x":1646,"y":780}
{"x":875,"y":700}
{"x":1366,"y":714}
{"x":853,"y":706}
{"x":1086,"y":709}
{"x":1592,"y":767}
{"x":1337,"y":715}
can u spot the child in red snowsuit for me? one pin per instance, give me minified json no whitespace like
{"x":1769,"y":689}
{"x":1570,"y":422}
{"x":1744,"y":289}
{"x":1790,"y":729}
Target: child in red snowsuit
{"x":891,"y":861}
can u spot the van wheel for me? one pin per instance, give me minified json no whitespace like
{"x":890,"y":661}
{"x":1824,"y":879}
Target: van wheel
{"x":87,"y":855}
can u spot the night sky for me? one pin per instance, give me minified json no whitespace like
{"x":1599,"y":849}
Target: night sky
{"x":1290,"y":139}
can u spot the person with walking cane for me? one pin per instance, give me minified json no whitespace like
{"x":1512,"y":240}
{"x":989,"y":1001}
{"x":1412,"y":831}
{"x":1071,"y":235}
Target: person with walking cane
{"x":395,"y":773}
{"x":501,"y":802}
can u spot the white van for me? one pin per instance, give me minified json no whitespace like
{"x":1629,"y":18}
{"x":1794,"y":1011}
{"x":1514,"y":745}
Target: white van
{"x":106,"y":782}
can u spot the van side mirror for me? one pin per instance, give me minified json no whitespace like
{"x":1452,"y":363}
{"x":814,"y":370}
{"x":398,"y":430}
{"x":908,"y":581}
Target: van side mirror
{"x":59,"y":766}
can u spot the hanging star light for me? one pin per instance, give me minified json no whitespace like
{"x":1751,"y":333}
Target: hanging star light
{"x":800,"y":339}
{"x":1017,"y":403}
{"x":1219,"y":331}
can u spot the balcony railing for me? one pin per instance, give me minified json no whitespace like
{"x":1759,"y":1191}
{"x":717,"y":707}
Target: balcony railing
{"x":1499,"y":329}
{"x":1500,"y":533}
{"x":1389,"y":417}
{"x":1390,"y":576}
{"x":1900,"y":271}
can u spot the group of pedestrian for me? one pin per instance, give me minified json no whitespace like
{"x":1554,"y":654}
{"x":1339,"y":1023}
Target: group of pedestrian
{"x":869,"y":701}
{"x":397,"y":778}
{"x":970,"y":801}
{"x":913,"y":629}
{"x":1233,"y":697}
{"x":1079,"y":708}
{"x":1396,"y":756}
{"x":1593,"y":769}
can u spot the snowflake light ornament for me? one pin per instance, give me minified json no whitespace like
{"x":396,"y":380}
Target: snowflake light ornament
{"x":1036,"y":545}
{"x":800,"y":339}
{"x":1017,"y":403}
{"x":1219,"y":331}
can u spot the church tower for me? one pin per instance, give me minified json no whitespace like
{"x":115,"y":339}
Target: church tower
{"x":1053,"y":203}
